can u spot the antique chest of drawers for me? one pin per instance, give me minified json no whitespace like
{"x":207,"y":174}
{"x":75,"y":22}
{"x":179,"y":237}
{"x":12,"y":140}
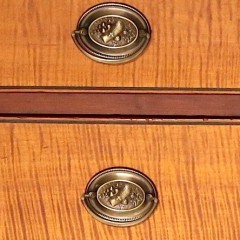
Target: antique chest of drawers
{"x":172,"y":113}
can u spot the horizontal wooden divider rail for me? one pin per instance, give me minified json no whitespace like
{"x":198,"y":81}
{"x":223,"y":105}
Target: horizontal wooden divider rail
{"x":106,"y":103}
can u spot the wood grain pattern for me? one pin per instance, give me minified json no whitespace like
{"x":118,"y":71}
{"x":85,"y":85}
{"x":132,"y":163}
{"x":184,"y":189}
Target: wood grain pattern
{"x":194,"y":44}
{"x":44,"y":169}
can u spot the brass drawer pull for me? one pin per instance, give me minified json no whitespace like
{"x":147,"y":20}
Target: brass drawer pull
{"x":120,"y":197}
{"x":112,"y":33}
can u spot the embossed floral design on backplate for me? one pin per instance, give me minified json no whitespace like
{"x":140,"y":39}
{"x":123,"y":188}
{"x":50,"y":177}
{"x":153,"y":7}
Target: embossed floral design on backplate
{"x":121,"y":195}
{"x":113,"y":31}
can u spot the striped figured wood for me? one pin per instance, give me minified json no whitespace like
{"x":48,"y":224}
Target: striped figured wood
{"x":44,"y":169}
{"x":194,"y":44}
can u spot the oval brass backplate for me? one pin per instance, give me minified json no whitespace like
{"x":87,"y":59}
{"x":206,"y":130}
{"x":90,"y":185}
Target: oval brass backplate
{"x":112,"y":33}
{"x":120,"y":197}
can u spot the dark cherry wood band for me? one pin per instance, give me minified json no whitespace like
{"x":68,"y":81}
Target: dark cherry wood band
{"x":170,"y":104}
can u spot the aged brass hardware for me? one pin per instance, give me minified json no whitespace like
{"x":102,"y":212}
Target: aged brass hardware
{"x":112,"y":33}
{"x":120,"y":197}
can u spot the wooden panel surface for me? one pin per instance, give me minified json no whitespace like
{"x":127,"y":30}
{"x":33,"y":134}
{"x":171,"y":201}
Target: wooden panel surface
{"x":44,"y":170}
{"x":194,"y":44}
{"x":119,"y":104}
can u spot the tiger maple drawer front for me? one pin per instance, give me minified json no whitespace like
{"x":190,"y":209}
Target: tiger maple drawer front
{"x":44,"y":169}
{"x":193,"y":44}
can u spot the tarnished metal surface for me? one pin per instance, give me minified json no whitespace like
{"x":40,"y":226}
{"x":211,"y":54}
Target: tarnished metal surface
{"x":112,"y":33}
{"x":120,"y":197}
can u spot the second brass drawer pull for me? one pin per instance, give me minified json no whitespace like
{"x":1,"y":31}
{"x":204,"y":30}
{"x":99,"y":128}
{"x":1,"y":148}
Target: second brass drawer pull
{"x":120,"y":197}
